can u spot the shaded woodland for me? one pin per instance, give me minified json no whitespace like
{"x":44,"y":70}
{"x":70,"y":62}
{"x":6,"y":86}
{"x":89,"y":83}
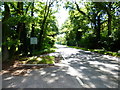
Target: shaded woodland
{"x":91,"y":25}
{"x":19,"y":23}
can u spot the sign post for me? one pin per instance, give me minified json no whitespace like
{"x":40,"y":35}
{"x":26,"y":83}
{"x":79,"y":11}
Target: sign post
{"x":33,"y":41}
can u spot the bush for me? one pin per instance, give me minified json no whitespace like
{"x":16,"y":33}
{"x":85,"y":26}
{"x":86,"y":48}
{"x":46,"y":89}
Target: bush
{"x":88,"y":41}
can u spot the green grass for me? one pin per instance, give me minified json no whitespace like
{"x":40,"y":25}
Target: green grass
{"x":32,"y":61}
{"x":47,"y":60}
{"x":23,"y":59}
{"x":39,"y":60}
{"x":101,"y":51}
{"x":43,"y":51}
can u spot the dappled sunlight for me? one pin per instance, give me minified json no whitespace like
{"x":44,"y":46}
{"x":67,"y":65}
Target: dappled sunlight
{"x":32,"y":32}
{"x":24,"y":80}
{"x":97,"y":63}
{"x":51,"y":80}
{"x":79,"y":68}
{"x":105,"y":70}
{"x":65,"y":51}
{"x":92,"y":85}
{"x":42,"y":72}
{"x":110,"y":57}
{"x":72,"y":71}
{"x":32,"y":57}
{"x":86,"y":63}
{"x":53,"y":74}
{"x":11,"y":85}
{"x":82,"y":68}
{"x":8,"y":78}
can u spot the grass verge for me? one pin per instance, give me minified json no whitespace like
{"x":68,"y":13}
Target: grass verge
{"x":38,"y":60}
{"x":45,"y":51}
{"x":101,"y":51}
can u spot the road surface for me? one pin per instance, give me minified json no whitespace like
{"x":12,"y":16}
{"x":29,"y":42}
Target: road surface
{"x":78,"y":69}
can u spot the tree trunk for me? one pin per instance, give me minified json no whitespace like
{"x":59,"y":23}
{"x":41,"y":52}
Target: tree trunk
{"x":41,"y":34}
{"x":42,"y":31}
{"x":32,"y":14}
{"x":98,"y":29}
{"x":109,"y":19}
{"x":98,"y":32}
{"x":109,"y":24}
{"x":41,"y":37}
{"x":23,"y":39}
{"x":5,"y":28}
{"x":20,"y":25}
{"x":32,"y":32}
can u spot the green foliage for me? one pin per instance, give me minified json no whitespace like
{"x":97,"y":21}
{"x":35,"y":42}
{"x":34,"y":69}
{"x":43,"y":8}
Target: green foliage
{"x":48,"y":42}
{"x":48,"y":50}
{"x":9,"y":43}
{"x":31,"y":61}
{"x":101,"y":51}
{"x":94,"y":26}
{"x":61,"y":39}
{"x":41,"y":60}
{"x":88,"y":41}
{"x":22,"y":20}
{"x":47,"y":60}
{"x":23,"y":59}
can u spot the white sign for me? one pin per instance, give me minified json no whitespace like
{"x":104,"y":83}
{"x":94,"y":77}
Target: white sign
{"x":33,"y":40}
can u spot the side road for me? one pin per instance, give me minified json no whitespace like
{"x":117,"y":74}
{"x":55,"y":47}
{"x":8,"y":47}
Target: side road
{"x":79,"y":69}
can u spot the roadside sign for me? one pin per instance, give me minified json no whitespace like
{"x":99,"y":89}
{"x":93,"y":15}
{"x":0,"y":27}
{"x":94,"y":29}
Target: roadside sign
{"x":33,"y":40}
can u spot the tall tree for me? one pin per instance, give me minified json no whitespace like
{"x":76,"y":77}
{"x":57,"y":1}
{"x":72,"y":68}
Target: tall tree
{"x":46,"y":13}
{"x":5,"y":28}
{"x":32,"y":14}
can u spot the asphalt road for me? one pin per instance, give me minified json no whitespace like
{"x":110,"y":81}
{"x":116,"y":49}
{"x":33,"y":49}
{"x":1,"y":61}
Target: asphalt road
{"x":78,"y":69}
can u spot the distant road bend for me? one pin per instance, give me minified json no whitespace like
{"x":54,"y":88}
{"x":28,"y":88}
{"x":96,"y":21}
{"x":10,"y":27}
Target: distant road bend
{"x":79,"y":69}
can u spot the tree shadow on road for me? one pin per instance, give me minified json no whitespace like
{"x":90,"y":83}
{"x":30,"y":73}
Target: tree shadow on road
{"x":93,"y":70}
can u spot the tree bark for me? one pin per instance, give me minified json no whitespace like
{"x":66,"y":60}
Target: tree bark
{"x":109,"y":24}
{"x":21,"y":29}
{"x":32,"y":14}
{"x":5,"y":28}
{"x":41,"y":36}
{"x":98,"y":29}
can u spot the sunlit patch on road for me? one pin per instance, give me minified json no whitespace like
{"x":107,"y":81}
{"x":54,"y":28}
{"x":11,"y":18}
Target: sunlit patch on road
{"x":78,"y":69}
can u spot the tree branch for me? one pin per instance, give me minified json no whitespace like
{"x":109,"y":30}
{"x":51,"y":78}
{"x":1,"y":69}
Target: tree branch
{"x":27,"y":7}
{"x":79,"y":9}
{"x":13,"y":6}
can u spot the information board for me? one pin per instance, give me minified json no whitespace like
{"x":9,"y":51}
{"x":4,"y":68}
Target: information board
{"x":33,"y":40}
